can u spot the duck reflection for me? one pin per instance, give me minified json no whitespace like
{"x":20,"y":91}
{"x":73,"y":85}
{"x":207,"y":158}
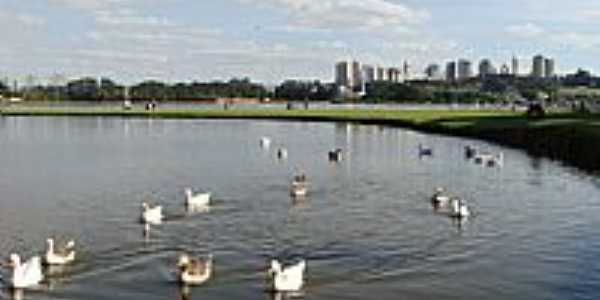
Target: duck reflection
{"x":184,"y":292}
{"x":16,"y":294}
{"x":284,"y":295}
{"x":196,"y":209}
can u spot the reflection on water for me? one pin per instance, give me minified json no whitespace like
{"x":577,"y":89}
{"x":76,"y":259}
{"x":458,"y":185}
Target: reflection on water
{"x":366,"y":229}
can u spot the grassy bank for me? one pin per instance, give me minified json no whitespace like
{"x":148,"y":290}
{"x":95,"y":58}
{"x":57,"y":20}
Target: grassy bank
{"x":574,"y":139}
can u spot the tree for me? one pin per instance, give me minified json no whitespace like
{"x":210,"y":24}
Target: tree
{"x":85,"y":89}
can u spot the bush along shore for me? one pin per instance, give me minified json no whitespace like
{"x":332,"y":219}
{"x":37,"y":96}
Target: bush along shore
{"x":571,"y":138}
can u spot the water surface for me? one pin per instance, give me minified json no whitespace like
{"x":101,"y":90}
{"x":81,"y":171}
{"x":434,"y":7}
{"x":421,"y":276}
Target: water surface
{"x":367,"y":229}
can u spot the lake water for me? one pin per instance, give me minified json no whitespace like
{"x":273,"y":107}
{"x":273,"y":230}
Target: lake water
{"x":367,"y":230}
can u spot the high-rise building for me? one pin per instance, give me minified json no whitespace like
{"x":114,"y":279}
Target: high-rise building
{"x":504,"y":69}
{"x":451,"y":71}
{"x":485,"y":68}
{"x":433,"y":72}
{"x":538,"y":69}
{"x":549,"y":68}
{"x":368,"y":74}
{"x":341,"y":74}
{"x":515,"y":66}
{"x":348,"y":74}
{"x":393,"y":75}
{"x":380,"y":74}
{"x":465,"y":69}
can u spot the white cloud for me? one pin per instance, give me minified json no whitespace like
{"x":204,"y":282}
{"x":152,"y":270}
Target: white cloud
{"x":580,"y":40}
{"x":348,"y":14}
{"x":86,"y":4}
{"x":527,"y":30}
{"x":120,"y":17}
{"x":591,"y":15}
{"x":8,"y":20}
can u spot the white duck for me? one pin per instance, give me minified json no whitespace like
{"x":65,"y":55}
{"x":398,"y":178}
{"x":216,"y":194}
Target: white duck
{"x":61,"y":256}
{"x":265,"y":142}
{"x":299,"y":186}
{"x":197,"y":200}
{"x":151,"y":215}
{"x":496,"y":160}
{"x":440,"y":198}
{"x":26,"y":275}
{"x":289,"y":279}
{"x":459,"y":209}
{"x":482,"y":158}
{"x":194,"y":271}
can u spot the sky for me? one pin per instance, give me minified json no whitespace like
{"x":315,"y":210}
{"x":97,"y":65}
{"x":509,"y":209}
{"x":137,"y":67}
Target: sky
{"x":273,"y":40}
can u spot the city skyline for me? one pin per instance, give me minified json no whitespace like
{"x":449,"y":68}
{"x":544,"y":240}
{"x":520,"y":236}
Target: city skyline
{"x":271,"y":40}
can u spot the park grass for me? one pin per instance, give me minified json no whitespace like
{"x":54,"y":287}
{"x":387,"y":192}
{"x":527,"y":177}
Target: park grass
{"x":358,"y":115}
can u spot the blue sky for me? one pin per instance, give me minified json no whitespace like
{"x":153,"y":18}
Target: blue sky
{"x":270,"y":40}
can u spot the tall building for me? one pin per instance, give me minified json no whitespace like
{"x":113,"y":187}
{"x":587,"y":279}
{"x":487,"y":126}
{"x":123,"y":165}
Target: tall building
{"x":393,"y":74}
{"x":538,"y":70}
{"x":380,"y":74}
{"x":341,"y":74}
{"x":451,"y":71}
{"x":348,"y":74}
{"x":433,"y":72}
{"x":485,"y":68}
{"x":406,"y":70}
{"x":515,"y":66}
{"x":549,"y":68}
{"x":368,"y":74}
{"x":465,"y":69}
{"x":504,"y":69}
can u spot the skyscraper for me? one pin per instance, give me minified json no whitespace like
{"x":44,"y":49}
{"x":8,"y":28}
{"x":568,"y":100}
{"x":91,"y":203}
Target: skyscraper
{"x":538,"y":70}
{"x":504,"y":69}
{"x":451,"y":71}
{"x":465,"y":69}
{"x":368,"y":74}
{"x":433,"y":72}
{"x":380,"y":74}
{"x":485,"y":68}
{"x":515,"y":66}
{"x":348,"y":74}
{"x":549,"y":68}
{"x":393,"y":75}
{"x":341,"y":73}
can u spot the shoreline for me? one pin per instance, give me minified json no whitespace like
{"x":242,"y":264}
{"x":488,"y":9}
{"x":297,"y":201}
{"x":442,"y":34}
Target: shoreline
{"x":570,"y":138}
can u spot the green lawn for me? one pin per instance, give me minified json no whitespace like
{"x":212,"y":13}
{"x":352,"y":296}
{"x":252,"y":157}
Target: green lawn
{"x":426,"y":119}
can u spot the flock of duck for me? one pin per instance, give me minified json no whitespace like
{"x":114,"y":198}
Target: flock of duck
{"x":455,"y":206}
{"x":196,"y":271}
{"x":191,"y":270}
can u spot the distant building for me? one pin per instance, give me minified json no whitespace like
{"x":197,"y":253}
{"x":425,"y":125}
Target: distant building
{"x":485,"y":68}
{"x":549,"y":68}
{"x":538,"y":70}
{"x":406,"y":70}
{"x":433,"y":72}
{"x":348,"y":75}
{"x":465,"y":69}
{"x":380,"y":74}
{"x":393,"y":75}
{"x":515,"y":66}
{"x":368,"y":74}
{"x":504,"y":70}
{"x":451,"y":71}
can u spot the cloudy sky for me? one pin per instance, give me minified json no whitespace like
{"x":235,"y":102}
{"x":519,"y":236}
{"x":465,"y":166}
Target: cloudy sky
{"x":269,"y":40}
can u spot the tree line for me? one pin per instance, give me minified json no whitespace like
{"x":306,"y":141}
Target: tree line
{"x":490,"y":88}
